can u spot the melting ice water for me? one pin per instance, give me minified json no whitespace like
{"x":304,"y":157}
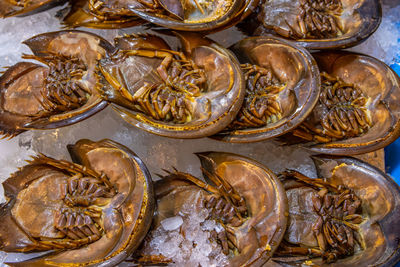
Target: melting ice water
{"x":157,"y":152}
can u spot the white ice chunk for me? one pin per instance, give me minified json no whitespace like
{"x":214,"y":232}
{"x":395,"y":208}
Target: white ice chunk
{"x":2,"y":197}
{"x":384,"y":44}
{"x":3,"y":256}
{"x":172,"y":223}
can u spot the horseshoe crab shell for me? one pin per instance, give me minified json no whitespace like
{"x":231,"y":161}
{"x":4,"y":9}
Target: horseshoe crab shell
{"x":9,"y":8}
{"x":380,"y":206}
{"x":258,"y":235}
{"x":93,"y":213}
{"x":317,"y":24}
{"x":377,"y":84}
{"x":62,"y":91}
{"x":197,"y":15}
{"x":191,"y":93}
{"x":291,"y":71}
{"x":101,"y":14}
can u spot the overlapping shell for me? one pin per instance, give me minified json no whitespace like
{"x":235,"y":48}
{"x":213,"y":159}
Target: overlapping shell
{"x":10,"y":8}
{"x":173,"y":14}
{"x":97,"y":212}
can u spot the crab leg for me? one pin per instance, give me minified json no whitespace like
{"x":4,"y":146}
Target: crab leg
{"x":228,"y":192}
{"x":314,"y":182}
{"x":73,"y":168}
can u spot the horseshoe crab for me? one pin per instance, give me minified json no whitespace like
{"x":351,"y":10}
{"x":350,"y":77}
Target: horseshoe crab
{"x":108,"y":14}
{"x":282,"y":87}
{"x":357,"y":112}
{"x":61,"y":91}
{"x":196,"y":15}
{"x":191,"y":93}
{"x":317,"y":24}
{"x":347,"y":217}
{"x":9,"y":8}
{"x":243,"y":196}
{"x":179,"y":15}
{"x":93,"y":213}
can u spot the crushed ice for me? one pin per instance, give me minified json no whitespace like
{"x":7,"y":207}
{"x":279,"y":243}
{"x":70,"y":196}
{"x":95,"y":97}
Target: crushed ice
{"x":384,"y":44}
{"x":14,"y":154}
{"x":188,"y":244}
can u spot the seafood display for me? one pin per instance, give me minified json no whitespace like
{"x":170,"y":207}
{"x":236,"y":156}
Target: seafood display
{"x":243,"y":196}
{"x":178,"y":76}
{"x":358,"y":108}
{"x":92,"y":212}
{"x":191,"y":93}
{"x":60,"y":91}
{"x":282,"y":87}
{"x":347,"y":217}
{"x":316,"y":24}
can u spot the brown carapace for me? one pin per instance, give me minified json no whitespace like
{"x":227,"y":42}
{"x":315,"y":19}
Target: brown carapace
{"x":60,"y":91}
{"x":316,"y":24}
{"x":174,"y":14}
{"x":282,"y":87}
{"x":344,"y":112}
{"x":346,"y":217}
{"x":108,"y":14}
{"x":10,"y":8}
{"x":191,"y":93}
{"x":94,"y":212}
{"x":357,"y":107}
{"x":242,"y":196}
